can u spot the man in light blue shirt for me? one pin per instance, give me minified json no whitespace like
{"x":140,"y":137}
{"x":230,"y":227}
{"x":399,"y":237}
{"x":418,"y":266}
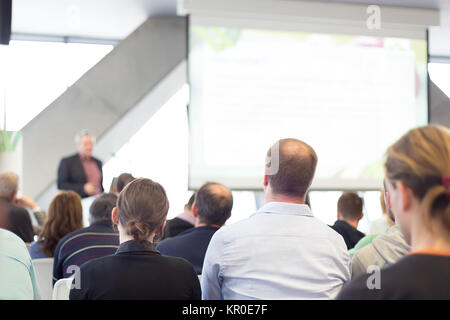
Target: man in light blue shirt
{"x":281,"y":251}
{"x":17,"y":277}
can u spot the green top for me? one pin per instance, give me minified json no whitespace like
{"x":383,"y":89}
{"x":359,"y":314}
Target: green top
{"x":17,"y":277}
{"x":362,"y":243}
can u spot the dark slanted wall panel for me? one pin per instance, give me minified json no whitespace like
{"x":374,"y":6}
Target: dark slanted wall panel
{"x":5,"y":21}
{"x":439,"y":106}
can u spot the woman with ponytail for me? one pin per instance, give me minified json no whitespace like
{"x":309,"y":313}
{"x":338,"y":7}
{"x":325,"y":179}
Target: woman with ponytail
{"x":137,"y":270}
{"x":417,"y":179}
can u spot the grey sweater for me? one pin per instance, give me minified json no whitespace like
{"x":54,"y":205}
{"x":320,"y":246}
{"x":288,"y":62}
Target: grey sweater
{"x":382,"y":252}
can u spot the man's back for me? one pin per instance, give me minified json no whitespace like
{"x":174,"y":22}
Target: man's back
{"x":350,"y":234}
{"x":17,"y":276}
{"x":280,"y":252}
{"x":190,"y":245}
{"x":82,"y":245}
{"x":385,"y":250}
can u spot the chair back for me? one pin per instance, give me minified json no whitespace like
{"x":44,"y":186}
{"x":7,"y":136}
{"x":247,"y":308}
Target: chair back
{"x":61,"y":290}
{"x":44,"y":272}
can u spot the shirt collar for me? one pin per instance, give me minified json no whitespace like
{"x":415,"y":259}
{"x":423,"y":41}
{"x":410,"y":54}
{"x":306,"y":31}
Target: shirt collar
{"x":286,"y":208}
{"x":84,"y":158}
{"x":105,"y":223}
{"x":134,"y":246}
{"x":187,"y":217}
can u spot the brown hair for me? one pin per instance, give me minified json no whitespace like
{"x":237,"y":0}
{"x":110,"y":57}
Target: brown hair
{"x":65,"y":215}
{"x":142,"y":208}
{"x":350,"y":205}
{"x":123,"y":180}
{"x":420,"y":160}
{"x":297,"y":165}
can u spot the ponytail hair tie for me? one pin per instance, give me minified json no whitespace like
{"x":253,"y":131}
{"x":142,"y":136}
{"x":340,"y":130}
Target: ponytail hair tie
{"x":446,"y":184}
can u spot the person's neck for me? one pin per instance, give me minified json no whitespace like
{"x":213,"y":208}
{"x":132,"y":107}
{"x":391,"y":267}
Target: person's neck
{"x":124,"y":237}
{"x":354,"y":224}
{"x":202,"y":224}
{"x":424,"y":239}
{"x":273,"y":197}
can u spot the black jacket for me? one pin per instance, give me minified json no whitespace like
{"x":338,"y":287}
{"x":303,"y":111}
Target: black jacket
{"x":71,"y":175}
{"x":176,"y":226}
{"x":137,"y":271}
{"x":351,"y":235}
{"x":419,"y":276}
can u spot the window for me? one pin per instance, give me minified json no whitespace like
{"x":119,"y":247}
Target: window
{"x":34,"y":73}
{"x":440,"y":75}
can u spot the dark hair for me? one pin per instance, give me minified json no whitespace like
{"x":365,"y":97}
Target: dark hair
{"x":297,"y":165}
{"x":350,"y":205}
{"x":100,"y":209}
{"x":190,"y":202}
{"x":214,"y":202}
{"x":65,"y":214}
{"x":142,"y":208}
{"x":123,"y":180}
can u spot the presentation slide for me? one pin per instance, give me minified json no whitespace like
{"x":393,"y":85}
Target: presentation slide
{"x":347,"y":96}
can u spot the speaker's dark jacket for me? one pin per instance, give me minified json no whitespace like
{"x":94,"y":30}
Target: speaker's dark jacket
{"x":71,"y":175}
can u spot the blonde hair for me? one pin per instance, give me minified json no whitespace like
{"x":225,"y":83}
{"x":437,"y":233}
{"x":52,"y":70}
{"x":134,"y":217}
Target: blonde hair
{"x":420,"y":160}
{"x":384,"y":208}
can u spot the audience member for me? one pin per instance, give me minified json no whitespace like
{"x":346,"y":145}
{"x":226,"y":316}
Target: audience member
{"x":182,"y":222}
{"x":281,"y":251}
{"x":417,"y":179}
{"x":211,"y":208}
{"x":17,"y":277}
{"x":122,"y":181}
{"x":349,"y":212}
{"x":383,"y":251}
{"x":97,"y":240}
{"x":388,"y":248}
{"x":382,"y":224}
{"x":64,"y":216}
{"x":17,"y":219}
{"x":137,"y":270}
{"x":81,"y":172}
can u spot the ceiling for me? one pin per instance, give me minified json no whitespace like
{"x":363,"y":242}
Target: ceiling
{"x":115,"y":19}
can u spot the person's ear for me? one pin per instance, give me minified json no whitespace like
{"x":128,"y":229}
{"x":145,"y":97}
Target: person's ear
{"x":338,"y":215}
{"x":266,"y":178}
{"x":362,"y":215}
{"x":406,"y":195}
{"x":388,"y":200}
{"x":114,"y":216}
{"x":195,"y":210}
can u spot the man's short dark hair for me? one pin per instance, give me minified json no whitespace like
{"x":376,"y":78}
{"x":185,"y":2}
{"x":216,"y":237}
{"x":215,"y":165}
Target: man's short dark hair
{"x":190,"y":202}
{"x":214,"y":203}
{"x":123,"y":180}
{"x":350,"y":205}
{"x":100,"y":209}
{"x":297,"y":165}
